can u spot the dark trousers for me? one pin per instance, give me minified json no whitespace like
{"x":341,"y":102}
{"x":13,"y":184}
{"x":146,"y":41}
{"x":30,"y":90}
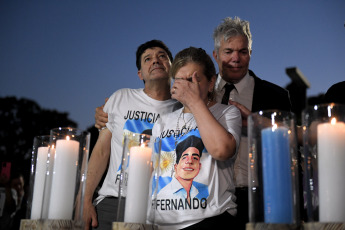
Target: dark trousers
{"x":222,"y":221}
{"x":241,"y":194}
{"x":106,"y":213}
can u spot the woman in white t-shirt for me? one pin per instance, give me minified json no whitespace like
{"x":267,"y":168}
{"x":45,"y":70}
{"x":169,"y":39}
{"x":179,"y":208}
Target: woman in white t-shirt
{"x":196,"y":187}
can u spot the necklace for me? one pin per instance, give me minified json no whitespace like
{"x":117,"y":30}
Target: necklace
{"x":179,"y":132}
{"x":187,"y":125}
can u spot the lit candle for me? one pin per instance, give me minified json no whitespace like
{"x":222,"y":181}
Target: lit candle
{"x":331,"y":153}
{"x":40,"y":172}
{"x":64,"y":179}
{"x":276,"y":170}
{"x":139,"y":174}
{"x":47,"y":183}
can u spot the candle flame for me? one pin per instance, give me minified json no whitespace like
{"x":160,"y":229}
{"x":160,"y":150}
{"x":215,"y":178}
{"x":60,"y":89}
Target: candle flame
{"x":273,"y":120}
{"x":333,"y":121}
{"x":68,"y":138}
{"x":274,"y":127}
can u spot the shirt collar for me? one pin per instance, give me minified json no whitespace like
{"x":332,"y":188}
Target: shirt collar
{"x":240,"y":86}
{"x":220,"y":83}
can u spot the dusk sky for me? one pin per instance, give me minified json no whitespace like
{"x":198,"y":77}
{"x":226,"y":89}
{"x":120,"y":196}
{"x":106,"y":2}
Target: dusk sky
{"x":71,"y":55}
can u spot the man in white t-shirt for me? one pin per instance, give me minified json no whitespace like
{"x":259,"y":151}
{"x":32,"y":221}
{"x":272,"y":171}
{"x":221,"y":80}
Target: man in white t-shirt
{"x":129,"y":111}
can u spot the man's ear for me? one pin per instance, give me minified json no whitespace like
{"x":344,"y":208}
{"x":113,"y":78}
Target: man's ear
{"x":215,"y":55}
{"x":140,"y":76}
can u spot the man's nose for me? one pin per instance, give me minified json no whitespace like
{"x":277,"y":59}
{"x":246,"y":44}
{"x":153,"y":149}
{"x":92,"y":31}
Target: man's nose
{"x":155,"y":60}
{"x":235,"y":57}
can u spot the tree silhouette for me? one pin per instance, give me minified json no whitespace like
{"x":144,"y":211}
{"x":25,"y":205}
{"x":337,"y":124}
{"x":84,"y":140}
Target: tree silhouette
{"x":20,"y":121}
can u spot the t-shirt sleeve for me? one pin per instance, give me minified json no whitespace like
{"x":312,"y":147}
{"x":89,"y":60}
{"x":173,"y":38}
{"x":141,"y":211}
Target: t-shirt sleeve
{"x":110,"y":108}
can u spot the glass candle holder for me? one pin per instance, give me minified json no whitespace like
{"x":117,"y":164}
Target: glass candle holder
{"x":66,"y":174}
{"x":324,"y":160}
{"x":273,"y":168}
{"x":39,"y":158}
{"x":135,"y":185}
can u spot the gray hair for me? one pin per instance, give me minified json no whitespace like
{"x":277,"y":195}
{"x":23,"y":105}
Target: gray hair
{"x":231,"y":28}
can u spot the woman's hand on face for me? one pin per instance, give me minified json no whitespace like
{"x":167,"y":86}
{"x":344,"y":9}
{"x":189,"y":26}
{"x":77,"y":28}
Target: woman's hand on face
{"x":186,"y":90}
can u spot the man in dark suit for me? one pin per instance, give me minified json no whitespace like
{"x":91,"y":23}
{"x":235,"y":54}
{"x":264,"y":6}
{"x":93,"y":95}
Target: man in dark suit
{"x":239,"y":86}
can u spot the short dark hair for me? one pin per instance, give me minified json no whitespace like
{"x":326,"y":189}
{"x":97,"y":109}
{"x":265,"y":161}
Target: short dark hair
{"x":190,"y":141}
{"x":150,"y":44}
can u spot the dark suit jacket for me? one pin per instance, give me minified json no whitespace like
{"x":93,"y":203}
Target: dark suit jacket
{"x":269,"y":96}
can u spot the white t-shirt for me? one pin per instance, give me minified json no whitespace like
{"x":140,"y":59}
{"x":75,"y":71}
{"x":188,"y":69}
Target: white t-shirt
{"x":129,"y":110}
{"x":212,"y":189}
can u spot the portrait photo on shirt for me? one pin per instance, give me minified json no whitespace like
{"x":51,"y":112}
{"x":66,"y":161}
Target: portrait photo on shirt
{"x":180,"y":164}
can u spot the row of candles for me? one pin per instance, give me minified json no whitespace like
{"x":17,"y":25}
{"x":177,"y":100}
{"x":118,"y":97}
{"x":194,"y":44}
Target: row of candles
{"x":59,"y":171}
{"x":273,"y":169}
{"x":59,"y":164}
{"x":61,"y":200}
{"x":274,"y":163}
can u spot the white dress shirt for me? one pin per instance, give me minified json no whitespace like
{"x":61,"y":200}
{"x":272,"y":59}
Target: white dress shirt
{"x":243,"y":94}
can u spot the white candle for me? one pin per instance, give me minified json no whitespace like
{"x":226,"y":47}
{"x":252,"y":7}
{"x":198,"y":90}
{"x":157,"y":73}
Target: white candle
{"x":331,"y":169}
{"x":40,"y":172}
{"x":64,"y":180}
{"x":139,"y":174}
{"x":47,"y":183}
